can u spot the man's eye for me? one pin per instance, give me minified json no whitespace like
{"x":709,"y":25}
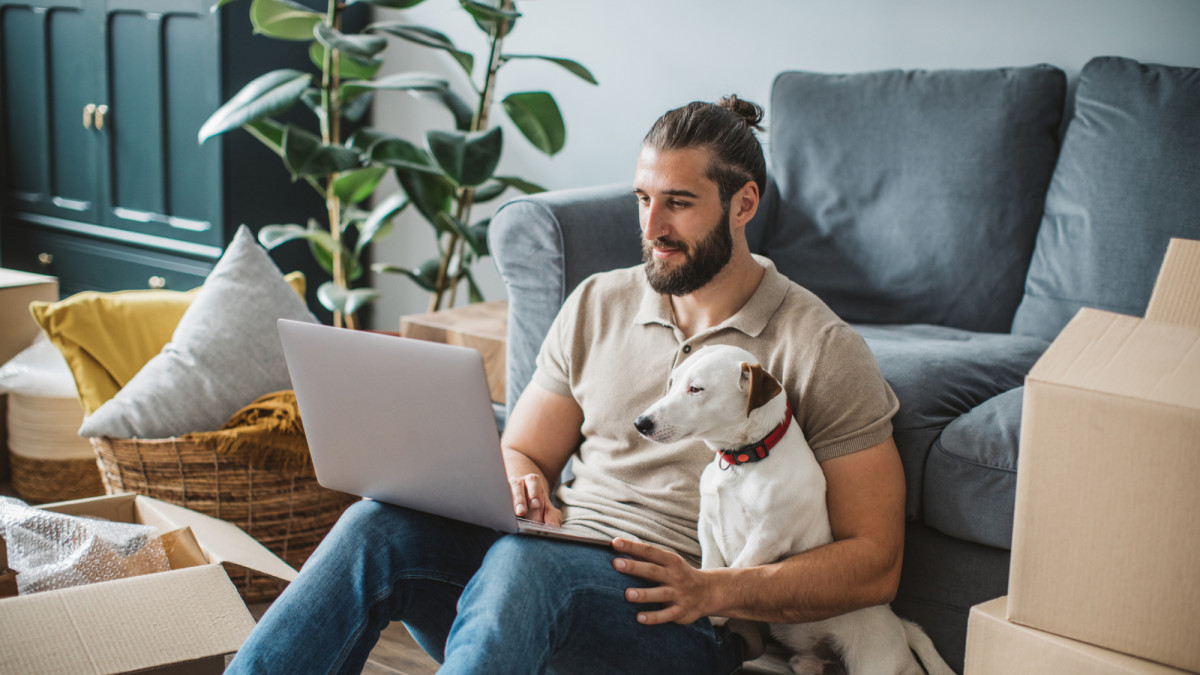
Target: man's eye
{"x":678,"y":204}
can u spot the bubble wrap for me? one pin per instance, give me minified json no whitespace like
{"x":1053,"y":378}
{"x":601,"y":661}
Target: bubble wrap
{"x":50,"y":550}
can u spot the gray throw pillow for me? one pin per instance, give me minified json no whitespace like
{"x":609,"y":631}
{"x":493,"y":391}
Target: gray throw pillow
{"x":1127,"y":181}
{"x":224,"y":354}
{"x":913,"y":196}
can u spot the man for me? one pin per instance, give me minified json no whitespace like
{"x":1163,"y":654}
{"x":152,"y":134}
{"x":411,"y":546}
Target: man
{"x":481,"y":602}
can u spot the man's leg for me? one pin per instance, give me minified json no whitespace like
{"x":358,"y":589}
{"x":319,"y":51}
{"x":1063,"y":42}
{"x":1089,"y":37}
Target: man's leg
{"x":538,"y":605}
{"x":379,"y":563}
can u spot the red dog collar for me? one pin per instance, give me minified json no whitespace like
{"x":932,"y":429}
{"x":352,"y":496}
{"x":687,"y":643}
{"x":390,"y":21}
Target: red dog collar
{"x":759,"y":451}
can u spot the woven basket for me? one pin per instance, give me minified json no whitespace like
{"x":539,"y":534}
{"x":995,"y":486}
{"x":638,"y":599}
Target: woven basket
{"x":288,"y":512}
{"x":38,"y":481}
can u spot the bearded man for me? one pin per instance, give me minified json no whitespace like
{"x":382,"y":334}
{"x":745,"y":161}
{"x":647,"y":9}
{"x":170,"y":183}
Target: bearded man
{"x":478,"y":601}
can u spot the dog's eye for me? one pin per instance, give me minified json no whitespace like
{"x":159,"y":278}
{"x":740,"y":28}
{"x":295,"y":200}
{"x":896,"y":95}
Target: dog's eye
{"x":695,"y":390}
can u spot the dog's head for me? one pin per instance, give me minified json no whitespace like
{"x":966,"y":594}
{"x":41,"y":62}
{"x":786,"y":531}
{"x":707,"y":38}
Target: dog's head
{"x":712,"y":397}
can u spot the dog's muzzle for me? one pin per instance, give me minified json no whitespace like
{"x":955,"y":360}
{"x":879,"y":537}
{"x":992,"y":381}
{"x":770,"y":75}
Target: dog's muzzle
{"x":644,"y":425}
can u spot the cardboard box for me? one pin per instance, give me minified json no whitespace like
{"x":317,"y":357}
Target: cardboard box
{"x":1106,"y":533}
{"x":18,"y":329}
{"x":184,"y":620}
{"x":482,"y":326}
{"x":999,"y":647}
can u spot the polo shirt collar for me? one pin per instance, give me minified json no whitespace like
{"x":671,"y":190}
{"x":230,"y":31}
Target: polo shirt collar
{"x":751,"y":319}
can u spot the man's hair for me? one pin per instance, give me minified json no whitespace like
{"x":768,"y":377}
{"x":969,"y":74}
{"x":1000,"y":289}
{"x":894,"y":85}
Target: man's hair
{"x":726,"y":129}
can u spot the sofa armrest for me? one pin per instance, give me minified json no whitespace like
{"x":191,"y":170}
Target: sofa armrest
{"x":543,"y":246}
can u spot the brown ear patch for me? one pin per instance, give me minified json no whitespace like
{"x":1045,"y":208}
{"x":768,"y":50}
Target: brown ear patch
{"x":763,"y":387}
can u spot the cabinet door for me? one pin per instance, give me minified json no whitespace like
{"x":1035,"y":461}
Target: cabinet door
{"x":48,"y":78}
{"x":162,"y":71}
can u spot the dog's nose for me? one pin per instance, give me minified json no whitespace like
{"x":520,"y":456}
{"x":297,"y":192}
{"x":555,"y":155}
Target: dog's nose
{"x":644,"y":424}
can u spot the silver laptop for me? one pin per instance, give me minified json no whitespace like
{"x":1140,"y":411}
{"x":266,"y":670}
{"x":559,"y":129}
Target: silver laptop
{"x":406,"y":422}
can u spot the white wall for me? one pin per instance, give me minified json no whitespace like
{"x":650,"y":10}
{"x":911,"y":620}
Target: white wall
{"x":652,"y":55}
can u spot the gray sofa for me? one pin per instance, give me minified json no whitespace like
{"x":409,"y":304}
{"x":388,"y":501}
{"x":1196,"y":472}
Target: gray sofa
{"x":948,"y":217}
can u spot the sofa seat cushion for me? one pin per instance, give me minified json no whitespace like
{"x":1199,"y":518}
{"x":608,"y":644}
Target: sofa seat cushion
{"x":971,"y":473}
{"x":939,"y":373}
{"x":1128,"y":180}
{"x":913,"y":196}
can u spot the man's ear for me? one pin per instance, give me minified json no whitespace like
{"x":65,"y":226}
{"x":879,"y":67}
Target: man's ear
{"x":744,"y":204}
{"x":762,"y":387}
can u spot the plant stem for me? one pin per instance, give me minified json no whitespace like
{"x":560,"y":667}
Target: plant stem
{"x":466,"y":195}
{"x":331,"y":135}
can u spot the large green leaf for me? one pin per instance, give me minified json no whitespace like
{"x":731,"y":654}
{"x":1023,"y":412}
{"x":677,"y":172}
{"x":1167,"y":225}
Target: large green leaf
{"x":491,"y":18}
{"x":266,"y":95}
{"x":463,"y":114}
{"x":474,"y":235}
{"x":424,"y":276}
{"x":268,"y":132}
{"x":379,"y":221}
{"x":363,"y":47}
{"x":429,"y":38}
{"x":354,"y":186}
{"x":391,"y":4}
{"x":345,"y":300}
{"x":574,"y":67}
{"x":466,"y":158}
{"x":284,"y":19}
{"x":400,"y":154}
{"x":479,"y":232}
{"x":305,"y":155}
{"x":348,"y":68}
{"x":520,"y":184}
{"x":398,"y":82}
{"x":537,"y":116}
{"x":271,"y":236}
{"x":430,"y":193}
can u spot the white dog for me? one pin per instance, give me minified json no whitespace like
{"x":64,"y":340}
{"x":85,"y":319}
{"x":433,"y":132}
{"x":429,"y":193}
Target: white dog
{"x":758,"y":512}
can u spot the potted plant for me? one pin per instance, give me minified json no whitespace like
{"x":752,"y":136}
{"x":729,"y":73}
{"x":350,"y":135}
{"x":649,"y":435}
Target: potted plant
{"x":443,"y":177}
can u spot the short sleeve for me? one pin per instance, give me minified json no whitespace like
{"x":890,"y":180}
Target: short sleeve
{"x":847,"y":405}
{"x":553,"y":371}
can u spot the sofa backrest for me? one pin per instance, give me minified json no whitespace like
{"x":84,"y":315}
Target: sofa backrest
{"x":913,"y":196}
{"x":1128,"y":179}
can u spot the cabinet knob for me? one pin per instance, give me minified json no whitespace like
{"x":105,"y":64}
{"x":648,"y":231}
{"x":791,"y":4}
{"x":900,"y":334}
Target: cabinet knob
{"x":157,"y":282}
{"x":101,"y":111}
{"x":89,"y":113}
{"x":45,"y":259}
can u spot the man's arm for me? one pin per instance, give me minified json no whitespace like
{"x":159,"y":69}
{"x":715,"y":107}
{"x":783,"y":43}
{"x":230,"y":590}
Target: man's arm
{"x":540,"y":436}
{"x":861,"y":568}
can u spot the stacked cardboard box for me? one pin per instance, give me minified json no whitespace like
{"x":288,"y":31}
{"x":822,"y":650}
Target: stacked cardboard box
{"x":18,"y":329}
{"x":1106,"y":536}
{"x":481,"y":326}
{"x":181,"y":621}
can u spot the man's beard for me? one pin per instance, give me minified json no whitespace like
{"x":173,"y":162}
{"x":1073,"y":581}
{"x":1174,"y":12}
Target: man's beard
{"x":701,"y":262}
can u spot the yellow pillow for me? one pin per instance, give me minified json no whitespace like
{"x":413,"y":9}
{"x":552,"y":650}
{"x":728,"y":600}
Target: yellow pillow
{"x":106,"y":338}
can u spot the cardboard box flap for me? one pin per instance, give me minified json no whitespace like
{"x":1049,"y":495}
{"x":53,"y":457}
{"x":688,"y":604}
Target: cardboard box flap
{"x":13,"y":278}
{"x":222,"y":541}
{"x":124,"y":625}
{"x":1176,"y":296}
{"x":1125,"y":356}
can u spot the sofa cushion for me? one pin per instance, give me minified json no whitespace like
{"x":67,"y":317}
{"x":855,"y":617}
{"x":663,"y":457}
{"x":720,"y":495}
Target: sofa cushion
{"x":939,"y":373}
{"x":971,"y":474}
{"x":913,"y":196}
{"x":1127,"y":181}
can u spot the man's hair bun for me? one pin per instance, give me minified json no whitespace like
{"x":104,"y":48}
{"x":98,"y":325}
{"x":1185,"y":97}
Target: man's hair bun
{"x":749,"y":112}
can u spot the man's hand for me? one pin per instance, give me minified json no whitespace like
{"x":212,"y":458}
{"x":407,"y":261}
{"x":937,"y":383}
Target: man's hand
{"x":531,"y":499}
{"x":685,"y":591}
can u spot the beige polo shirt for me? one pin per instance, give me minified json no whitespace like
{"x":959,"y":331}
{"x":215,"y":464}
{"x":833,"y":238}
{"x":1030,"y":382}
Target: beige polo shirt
{"x":612,"y":348}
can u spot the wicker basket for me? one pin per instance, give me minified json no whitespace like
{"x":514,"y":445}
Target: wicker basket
{"x":288,"y":512}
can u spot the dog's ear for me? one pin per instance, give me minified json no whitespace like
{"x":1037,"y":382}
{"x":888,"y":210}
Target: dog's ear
{"x":763,"y":387}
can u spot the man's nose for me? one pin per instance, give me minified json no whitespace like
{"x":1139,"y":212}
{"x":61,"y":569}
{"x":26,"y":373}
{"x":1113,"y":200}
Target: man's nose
{"x":654,"y":222}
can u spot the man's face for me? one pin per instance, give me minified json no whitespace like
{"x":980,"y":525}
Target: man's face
{"x":686,"y":238}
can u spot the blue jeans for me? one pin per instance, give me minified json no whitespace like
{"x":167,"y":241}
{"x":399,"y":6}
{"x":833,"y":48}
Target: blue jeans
{"x":475,"y":600}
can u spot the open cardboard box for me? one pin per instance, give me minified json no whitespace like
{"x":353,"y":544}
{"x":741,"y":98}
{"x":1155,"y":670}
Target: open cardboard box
{"x":1106,"y":533}
{"x":182,"y":621}
{"x":998,"y":647}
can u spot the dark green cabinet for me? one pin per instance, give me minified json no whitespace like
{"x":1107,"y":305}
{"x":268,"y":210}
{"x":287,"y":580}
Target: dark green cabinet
{"x":104,"y":184}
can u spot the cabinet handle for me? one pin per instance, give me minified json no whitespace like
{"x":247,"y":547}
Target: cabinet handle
{"x":101,"y":111}
{"x":89,"y":111}
{"x":45,"y":259}
{"x":157,"y":282}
